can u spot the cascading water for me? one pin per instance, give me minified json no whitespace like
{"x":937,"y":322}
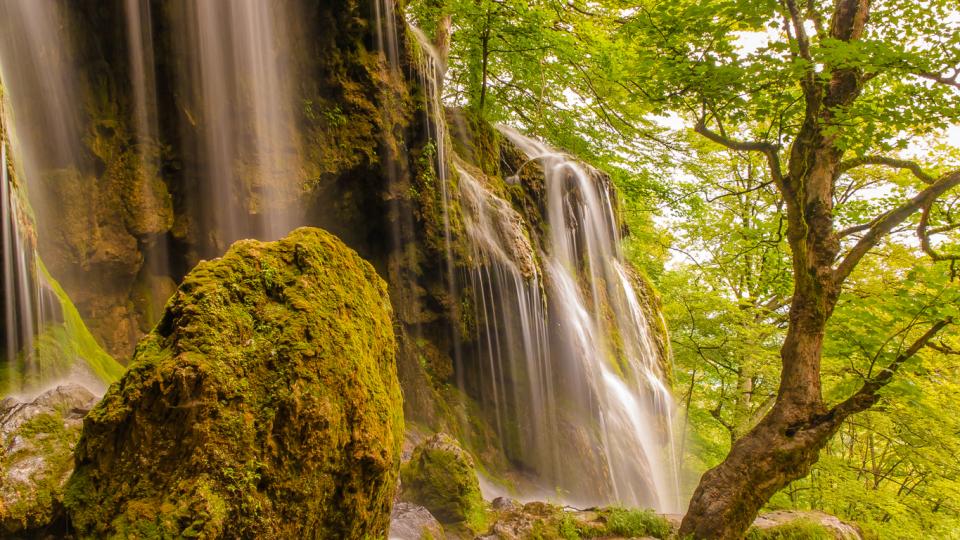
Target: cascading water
{"x":237,"y":77}
{"x":563,"y":356}
{"x":600,"y":335}
{"x":140,"y":53}
{"x":21,"y":299}
{"x":512,"y":330}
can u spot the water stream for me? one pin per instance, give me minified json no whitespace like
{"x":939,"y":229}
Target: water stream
{"x":568,"y":369}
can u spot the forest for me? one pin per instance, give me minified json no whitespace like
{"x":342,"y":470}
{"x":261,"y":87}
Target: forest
{"x":498,"y":269}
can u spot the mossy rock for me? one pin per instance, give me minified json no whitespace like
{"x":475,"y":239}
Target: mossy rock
{"x":802,"y":525}
{"x":265,"y":404}
{"x":36,"y":456}
{"x":441,"y":476}
{"x":547,"y":521}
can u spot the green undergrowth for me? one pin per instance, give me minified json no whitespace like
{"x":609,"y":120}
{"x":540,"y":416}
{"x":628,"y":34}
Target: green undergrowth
{"x":626,"y":522}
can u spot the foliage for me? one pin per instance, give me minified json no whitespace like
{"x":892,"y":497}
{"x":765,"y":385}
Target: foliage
{"x":890,"y":469}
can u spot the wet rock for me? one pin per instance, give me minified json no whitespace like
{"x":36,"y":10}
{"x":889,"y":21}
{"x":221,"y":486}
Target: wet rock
{"x":442,"y":477}
{"x":37,"y":439}
{"x":264,"y":404}
{"x":412,"y":522}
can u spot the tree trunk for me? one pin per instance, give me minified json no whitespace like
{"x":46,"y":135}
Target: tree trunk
{"x":760,"y":463}
{"x":778,"y":450}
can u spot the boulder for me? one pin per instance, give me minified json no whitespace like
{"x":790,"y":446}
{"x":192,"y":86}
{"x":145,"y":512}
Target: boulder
{"x":36,"y":444}
{"x":412,"y":522}
{"x":442,"y":477}
{"x":264,"y":404}
{"x":505,"y":504}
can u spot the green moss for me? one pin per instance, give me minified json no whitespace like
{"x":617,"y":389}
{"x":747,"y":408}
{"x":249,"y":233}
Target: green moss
{"x":801,"y":529}
{"x":81,"y":342}
{"x":441,"y":477}
{"x":264,"y":404}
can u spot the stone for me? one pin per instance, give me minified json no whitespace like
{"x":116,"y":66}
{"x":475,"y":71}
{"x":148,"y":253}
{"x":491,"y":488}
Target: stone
{"x":265,"y":404}
{"x":505,"y":503}
{"x":412,"y":522}
{"x":36,"y":458}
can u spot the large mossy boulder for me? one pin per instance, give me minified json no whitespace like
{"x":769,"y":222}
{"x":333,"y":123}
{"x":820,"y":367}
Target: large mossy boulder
{"x":265,"y":404}
{"x":441,"y":476}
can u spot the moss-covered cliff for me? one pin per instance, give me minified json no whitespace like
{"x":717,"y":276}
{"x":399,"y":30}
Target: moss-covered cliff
{"x":265,"y":404}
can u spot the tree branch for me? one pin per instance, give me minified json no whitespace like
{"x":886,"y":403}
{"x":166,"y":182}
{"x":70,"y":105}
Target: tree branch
{"x":938,"y":78}
{"x":886,"y":223}
{"x":803,"y":42}
{"x":895,"y":163}
{"x":768,"y":149}
{"x":854,"y":229}
{"x":924,"y":235}
{"x":944,"y":349}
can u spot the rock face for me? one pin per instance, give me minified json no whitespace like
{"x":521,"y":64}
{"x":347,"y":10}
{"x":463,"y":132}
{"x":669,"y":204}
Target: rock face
{"x":441,"y":476}
{"x":37,"y":440}
{"x":265,"y":404}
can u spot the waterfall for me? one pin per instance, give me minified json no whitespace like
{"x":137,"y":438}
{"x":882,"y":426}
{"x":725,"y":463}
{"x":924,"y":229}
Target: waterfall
{"x":146,"y":127}
{"x":511,"y":324}
{"x":238,"y":81}
{"x":562,"y":359}
{"x":601,"y":334}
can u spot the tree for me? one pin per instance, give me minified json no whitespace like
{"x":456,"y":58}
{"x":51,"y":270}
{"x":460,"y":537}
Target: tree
{"x":806,"y":165}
